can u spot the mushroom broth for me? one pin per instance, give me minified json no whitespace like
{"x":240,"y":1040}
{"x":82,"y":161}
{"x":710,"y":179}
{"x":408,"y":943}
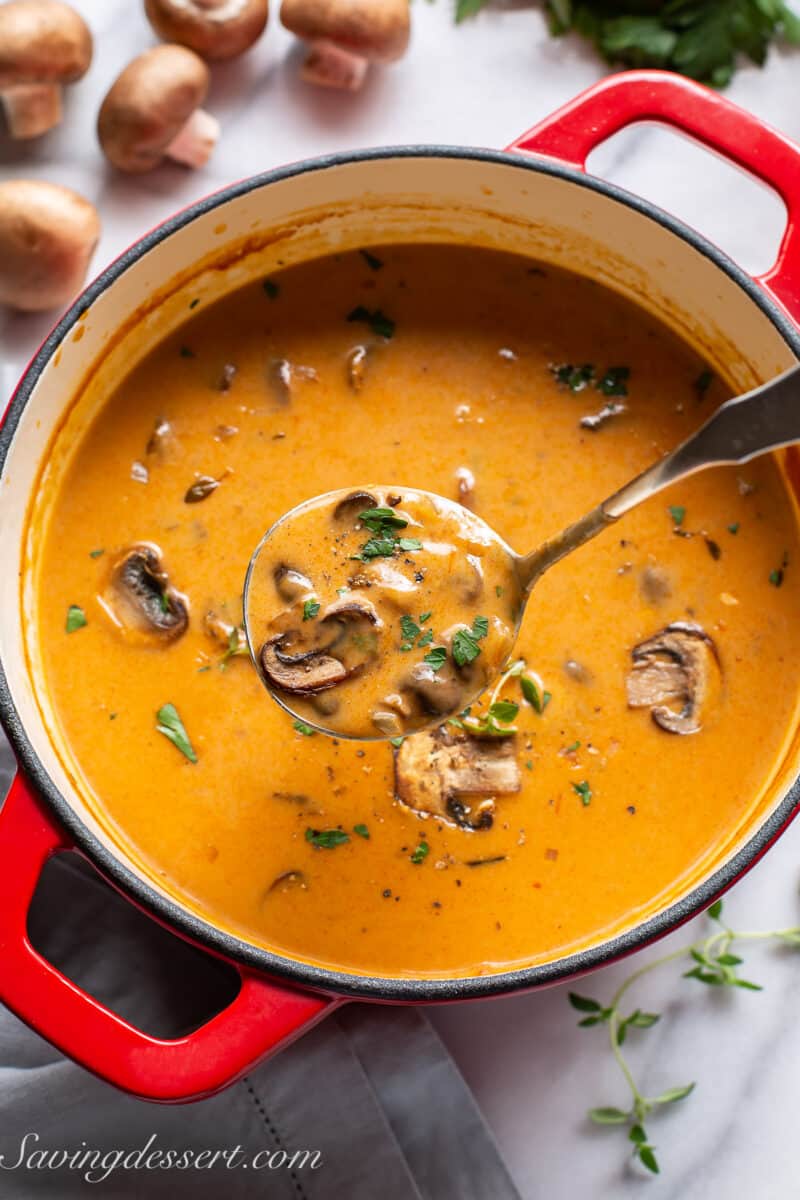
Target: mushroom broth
{"x":608,"y":764}
{"x":329,"y":601}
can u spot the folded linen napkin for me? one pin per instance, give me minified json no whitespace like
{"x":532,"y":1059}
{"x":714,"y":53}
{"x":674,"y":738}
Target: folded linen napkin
{"x":366,"y":1106}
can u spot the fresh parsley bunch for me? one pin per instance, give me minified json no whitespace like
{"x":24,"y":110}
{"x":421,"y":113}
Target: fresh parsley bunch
{"x":698,"y":38}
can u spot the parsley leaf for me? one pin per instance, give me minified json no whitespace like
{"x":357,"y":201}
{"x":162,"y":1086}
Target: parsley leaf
{"x":169,"y":723}
{"x":677,"y":512}
{"x":310,"y":609}
{"x":327,"y":839}
{"x":409,"y":628}
{"x":381,"y":520}
{"x":301,"y":727}
{"x":465,"y":647}
{"x":583,"y":790}
{"x":420,"y":854}
{"x":480,"y":627}
{"x":436,"y":658}
{"x":362,"y":831}
{"x":379,"y":323}
{"x":76,"y":618}
{"x":503,"y":710}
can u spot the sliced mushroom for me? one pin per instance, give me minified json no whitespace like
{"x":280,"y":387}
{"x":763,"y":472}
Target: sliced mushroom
{"x":301,"y":674}
{"x":231,"y":637}
{"x":454,"y":777}
{"x":387,"y":722}
{"x":141,"y":599}
{"x":465,"y":484}
{"x":281,"y":375}
{"x":350,"y":506}
{"x":289,"y":881}
{"x":676,"y":674}
{"x":291,"y":585}
{"x":161,"y":438}
{"x":357,"y":367}
{"x":439,"y":692}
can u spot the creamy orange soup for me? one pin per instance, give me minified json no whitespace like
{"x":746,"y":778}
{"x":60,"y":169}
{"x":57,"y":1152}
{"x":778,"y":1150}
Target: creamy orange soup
{"x":607,"y":765}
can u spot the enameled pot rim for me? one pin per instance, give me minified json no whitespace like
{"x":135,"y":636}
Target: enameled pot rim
{"x":235,"y":948}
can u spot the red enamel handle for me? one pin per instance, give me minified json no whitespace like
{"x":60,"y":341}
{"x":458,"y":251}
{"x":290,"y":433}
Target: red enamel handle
{"x":262,"y":1018}
{"x":571,"y":133}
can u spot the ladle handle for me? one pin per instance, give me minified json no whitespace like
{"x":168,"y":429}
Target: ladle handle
{"x":742,"y":428}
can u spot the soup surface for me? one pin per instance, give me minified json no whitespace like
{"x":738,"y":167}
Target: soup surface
{"x":653,"y":695}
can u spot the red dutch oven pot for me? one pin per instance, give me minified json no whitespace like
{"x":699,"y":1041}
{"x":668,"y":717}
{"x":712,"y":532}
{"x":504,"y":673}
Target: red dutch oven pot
{"x":534,"y":198}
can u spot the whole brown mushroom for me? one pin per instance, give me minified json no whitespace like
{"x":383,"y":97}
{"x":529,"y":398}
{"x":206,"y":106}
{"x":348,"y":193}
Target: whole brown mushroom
{"x":214,"y":29}
{"x":47,"y":236}
{"x":346,"y":35}
{"x":153,"y":111}
{"x":44,"y":45}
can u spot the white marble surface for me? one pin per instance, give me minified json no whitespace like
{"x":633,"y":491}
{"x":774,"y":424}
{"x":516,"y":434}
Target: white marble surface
{"x":533,"y":1071}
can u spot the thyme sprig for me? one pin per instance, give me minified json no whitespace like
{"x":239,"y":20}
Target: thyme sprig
{"x":711,"y":962}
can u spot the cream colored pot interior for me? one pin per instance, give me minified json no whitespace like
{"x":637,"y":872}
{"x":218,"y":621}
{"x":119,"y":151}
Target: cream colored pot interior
{"x":338,"y":207}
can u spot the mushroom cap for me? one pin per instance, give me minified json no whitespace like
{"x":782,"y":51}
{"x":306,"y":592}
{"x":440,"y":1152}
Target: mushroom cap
{"x":375,"y":29}
{"x":215,"y":29}
{"x":42,"y":41}
{"x":149,"y":104}
{"x":47,"y":236}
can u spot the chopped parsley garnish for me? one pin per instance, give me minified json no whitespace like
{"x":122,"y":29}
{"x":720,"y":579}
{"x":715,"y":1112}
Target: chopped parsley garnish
{"x":703,"y":382}
{"x":677,"y":512}
{"x":372,"y":261}
{"x":425,"y":617}
{"x":420,"y":854}
{"x":734,"y":528}
{"x":76,"y":618}
{"x":776,"y":577}
{"x":362,"y":831}
{"x":381,"y":520}
{"x":426,"y":638}
{"x":96,"y":553}
{"x":436,"y":658}
{"x":310,"y":609}
{"x":384,"y":547}
{"x":301,"y":727}
{"x":397,"y":742}
{"x":571,"y":749}
{"x":409,"y":544}
{"x":409,"y":628}
{"x":583,"y":790}
{"x":327,"y":839}
{"x":169,"y":723}
{"x":614,"y":382}
{"x":498,"y":591}
{"x":379,"y":323}
{"x":271,"y":288}
{"x":574,"y":378}
{"x":465,"y":642}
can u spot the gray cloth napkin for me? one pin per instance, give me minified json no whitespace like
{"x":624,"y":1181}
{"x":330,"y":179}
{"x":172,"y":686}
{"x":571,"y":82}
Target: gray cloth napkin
{"x":372,"y":1088}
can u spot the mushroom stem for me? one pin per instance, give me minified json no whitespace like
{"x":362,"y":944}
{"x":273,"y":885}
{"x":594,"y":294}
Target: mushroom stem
{"x":195,"y":142}
{"x":31,"y":109}
{"x":329,"y":65}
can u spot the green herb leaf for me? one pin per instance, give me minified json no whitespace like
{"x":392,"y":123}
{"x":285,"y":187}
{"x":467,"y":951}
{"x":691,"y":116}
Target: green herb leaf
{"x":583,"y":1003}
{"x":480,"y":627}
{"x":76,"y":618}
{"x":381,"y":520}
{"x":574,"y":378}
{"x":310,"y":609}
{"x":776,"y":577}
{"x":648,"y":1159}
{"x":301,"y":727}
{"x":614,"y":381}
{"x":409,"y":628}
{"x":426,"y":638}
{"x":503,"y":710}
{"x":672,"y":1095}
{"x":169,"y":723}
{"x":608,"y":1116}
{"x":372,"y":261}
{"x":436,"y":658}
{"x":379,"y":323}
{"x":425,"y":617}
{"x":583,"y":790}
{"x":677,"y":512}
{"x":420,"y":854}
{"x":361,"y":830}
{"x":465,"y":647}
{"x":96,"y":553}
{"x":715,"y":911}
{"x":734,"y":528}
{"x":327,"y":839}
{"x":405,"y":543}
{"x":397,"y":742}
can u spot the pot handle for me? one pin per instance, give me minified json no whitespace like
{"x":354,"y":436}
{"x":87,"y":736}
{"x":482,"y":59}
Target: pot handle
{"x":262,"y":1018}
{"x":572,"y":132}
